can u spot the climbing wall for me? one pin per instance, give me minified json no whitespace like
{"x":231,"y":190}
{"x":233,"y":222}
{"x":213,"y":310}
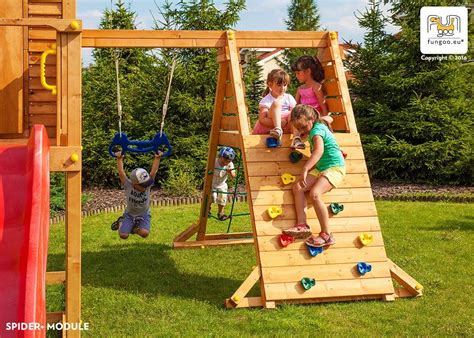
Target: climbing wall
{"x":281,"y":269}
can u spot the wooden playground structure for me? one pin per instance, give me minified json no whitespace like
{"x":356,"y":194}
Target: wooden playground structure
{"x":28,"y":28}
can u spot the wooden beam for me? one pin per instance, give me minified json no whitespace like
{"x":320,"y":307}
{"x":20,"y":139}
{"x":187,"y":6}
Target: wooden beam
{"x":245,"y":302}
{"x":55,"y":277}
{"x":245,"y":287}
{"x":216,"y":242}
{"x":64,"y":159}
{"x":186,"y":234}
{"x":60,"y":25}
{"x":200,"y":39}
{"x":404,"y":279}
{"x":54,"y":317}
{"x":229,"y":235}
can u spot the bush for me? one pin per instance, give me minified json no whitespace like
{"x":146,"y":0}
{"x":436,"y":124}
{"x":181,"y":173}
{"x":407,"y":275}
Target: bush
{"x":181,"y":180}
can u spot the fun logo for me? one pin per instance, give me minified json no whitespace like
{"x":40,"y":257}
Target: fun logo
{"x":452,"y":24}
{"x":443,"y":30}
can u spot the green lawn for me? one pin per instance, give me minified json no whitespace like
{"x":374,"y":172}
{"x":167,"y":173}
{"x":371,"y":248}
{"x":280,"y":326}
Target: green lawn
{"x":142,"y":287}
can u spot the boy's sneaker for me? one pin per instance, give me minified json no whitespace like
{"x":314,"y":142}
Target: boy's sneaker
{"x":276,"y":133}
{"x":298,"y":231}
{"x":323,"y":239}
{"x":297,"y":143}
{"x":116,"y":225}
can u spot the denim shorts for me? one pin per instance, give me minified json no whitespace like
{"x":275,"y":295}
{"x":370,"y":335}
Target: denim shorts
{"x":130,"y":221}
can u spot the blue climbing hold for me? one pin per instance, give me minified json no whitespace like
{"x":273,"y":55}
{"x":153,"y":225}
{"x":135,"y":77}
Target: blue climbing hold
{"x":273,"y":142}
{"x":363,"y":268}
{"x":314,"y":251}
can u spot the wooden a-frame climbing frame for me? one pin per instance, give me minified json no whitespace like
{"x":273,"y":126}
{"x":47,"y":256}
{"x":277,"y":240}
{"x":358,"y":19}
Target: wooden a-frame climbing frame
{"x":280,"y":269}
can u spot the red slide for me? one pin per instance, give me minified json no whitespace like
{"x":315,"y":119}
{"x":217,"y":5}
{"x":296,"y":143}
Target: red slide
{"x":24,"y":226}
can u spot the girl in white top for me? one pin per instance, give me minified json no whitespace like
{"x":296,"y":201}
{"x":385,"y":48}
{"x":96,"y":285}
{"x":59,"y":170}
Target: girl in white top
{"x":275,"y":107}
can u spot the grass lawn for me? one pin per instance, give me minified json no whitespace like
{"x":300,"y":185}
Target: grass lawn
{"x":143,"y":287}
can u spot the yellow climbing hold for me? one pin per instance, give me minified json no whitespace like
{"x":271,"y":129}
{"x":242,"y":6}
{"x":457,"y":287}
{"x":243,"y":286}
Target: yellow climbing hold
{"x":419,"y":287}
{"x":287,"y":178}
{"x":74,"y":25}
{"x":333,"y":35}
{"x":274,"y":211}
{"x":74,"y":158}
{"x":231,"y":35}
{"x":366,"y":238}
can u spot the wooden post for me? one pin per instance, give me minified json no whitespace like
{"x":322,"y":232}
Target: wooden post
{"x":213,"y":141}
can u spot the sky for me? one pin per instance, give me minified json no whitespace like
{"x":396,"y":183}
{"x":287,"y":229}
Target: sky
{"x":335,"y":15}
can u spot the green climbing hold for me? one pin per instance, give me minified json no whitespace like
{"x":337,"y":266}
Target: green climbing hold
{"x":295,"y":156}
{"x":307,"y":283}
{"x":336,"y":208}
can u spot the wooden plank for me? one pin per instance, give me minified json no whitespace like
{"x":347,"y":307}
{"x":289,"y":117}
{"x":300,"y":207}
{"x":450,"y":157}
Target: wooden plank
{"x":246,"y":234}
{"x":334,"y":47}
{"x":323,"y":272}
{"x":42,"y":108}
{"x":42,"y":1}
{"x":35,"y":83}
{"x":339,"y":225}
{"x":47,"y":120}
{"x":274,"y":183}
{"x":35,"y":71}
{"x":404,"y":279}
{"x":230,"y":123}
{"x":51,"y":131}
{"x":55,"y":277}
{"x":329,"y":256}
{"x":230,"y":138}
{"x":35,"y":59}
{"x":286,"y":197}
{"x":215,"y":242}
{"x":335,"y":105}
{"x":330,"y":299}
{"x":325,"y":55}
{"x":245,"y":302}
{"x":279,"y":168}
{"x":60,"y":158}
{"x":331,"y":88}
{"x":339,"y":288}
{"x":343,"y":240}
{"x":357,"y":209}
{"x":54,"y":317}
{"x":343,"y":140}
{"x":44,"y":8}
{"x":40,"y":45}
{"x":330,"y":71}
{"x":246,"y":285}
{"x":41,"y":34}
{"x":43,"y":20}
{"x":283,"y":154}
{"x":39,"y":95}
{"x":11,"y":74}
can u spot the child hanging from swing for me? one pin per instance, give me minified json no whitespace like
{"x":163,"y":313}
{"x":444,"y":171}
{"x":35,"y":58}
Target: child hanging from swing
{"x":222,"y":168}
{"x":137,"y":218}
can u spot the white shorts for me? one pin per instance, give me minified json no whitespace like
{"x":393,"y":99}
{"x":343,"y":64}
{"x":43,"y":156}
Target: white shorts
{"x":217,"y":197}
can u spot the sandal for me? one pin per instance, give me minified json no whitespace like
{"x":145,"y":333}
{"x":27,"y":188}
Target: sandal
{"x":297,"y":143}
{"x":298,"y":231}
{"x":116,"y":225}
{"x":223,"y":217}
{"x":276,"y":133}
{"x":323,"y":239}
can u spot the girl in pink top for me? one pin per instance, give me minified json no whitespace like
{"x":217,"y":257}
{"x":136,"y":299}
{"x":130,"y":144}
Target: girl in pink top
{"x":275,"y":107}
{"x":310,"y":74}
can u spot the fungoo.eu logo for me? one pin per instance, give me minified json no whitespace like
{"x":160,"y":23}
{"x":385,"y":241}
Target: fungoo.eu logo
{"x":443,"y":30}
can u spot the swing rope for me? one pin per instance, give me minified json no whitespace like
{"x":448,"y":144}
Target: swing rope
{"x":119,"y":100}
{"x":165,"y":104}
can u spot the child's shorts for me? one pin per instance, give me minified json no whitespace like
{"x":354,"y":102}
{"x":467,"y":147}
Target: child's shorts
{"x":260,"y":129}
{"x":219,"y":198}
{"x":335,"y":175}
{"x":130,"y":221}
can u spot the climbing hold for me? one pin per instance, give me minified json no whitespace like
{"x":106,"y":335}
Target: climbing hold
{"x":74,"y":158}
{"x":336,"y":208}
{"x":273,"y":142}
{"x":286,"y":240}
{"x":202,"y":246}
{"x":236,"y":299}
{"x":74,"y":25}
{"x":295,"y":156}
{"x":313,"y":251}
{"x":366,"y":238}
{"x":287,"y":178}
{"x":210,"y":172}
{"x":344,"y":154}
{"x":274,"y":211}
{"x":363,"y":268}
{"x":333,"y":35}
{"x":308,"y":283}
{"x":231,"y":35}
{"x":419,"y":287}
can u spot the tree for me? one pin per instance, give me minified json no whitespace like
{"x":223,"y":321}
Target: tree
{"x":303,"y":15}
{"x":415,"y":116}
{"x":254,"y":85}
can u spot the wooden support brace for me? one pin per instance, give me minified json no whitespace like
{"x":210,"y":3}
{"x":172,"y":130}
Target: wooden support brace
{"x":55,"y":277}
{"x":409,"y":283}
{"x":244,"y":288}
{"x":60,"y":25}
{"x":186,"y":234}
{"x":229,"y":235}
{"x":54,"y":317}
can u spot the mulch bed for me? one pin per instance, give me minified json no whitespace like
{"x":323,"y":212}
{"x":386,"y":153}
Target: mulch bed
{"x":108,"y":198}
